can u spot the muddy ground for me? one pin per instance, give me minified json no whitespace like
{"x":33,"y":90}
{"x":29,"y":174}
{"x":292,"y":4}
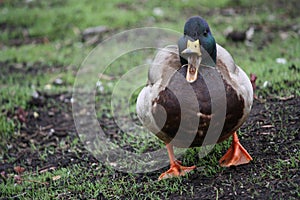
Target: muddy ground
{"x":268,"y":137}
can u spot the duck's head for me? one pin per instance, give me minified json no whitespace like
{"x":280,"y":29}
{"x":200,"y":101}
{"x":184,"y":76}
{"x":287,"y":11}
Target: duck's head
{"x":197,"y":36}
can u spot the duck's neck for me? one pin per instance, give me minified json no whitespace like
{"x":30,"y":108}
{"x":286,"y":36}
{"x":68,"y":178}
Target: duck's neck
{"x":213,"y":53}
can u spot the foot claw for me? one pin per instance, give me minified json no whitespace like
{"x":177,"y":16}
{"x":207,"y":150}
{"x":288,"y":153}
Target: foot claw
{"x":176,"y":170}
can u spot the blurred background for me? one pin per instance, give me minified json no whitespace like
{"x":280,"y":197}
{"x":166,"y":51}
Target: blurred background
{"x":260,"y":35}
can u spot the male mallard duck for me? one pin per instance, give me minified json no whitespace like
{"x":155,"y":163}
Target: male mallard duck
{"x":166,"y":105}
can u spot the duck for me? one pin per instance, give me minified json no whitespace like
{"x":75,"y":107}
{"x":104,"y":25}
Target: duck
{"x":195,"y":96}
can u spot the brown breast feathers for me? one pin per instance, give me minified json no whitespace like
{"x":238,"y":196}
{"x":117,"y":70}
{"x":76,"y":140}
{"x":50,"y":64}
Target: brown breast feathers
{"x":180,"y":102}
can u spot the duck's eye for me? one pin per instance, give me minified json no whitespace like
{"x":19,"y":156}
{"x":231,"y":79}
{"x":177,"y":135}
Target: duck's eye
{"x":205,"y":33}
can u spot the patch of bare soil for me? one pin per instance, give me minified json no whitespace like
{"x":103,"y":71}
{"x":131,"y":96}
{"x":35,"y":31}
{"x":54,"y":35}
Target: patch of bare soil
{"x":46,"y":136}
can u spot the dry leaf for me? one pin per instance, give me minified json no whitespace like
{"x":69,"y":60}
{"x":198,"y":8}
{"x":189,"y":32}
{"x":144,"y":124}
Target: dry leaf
{"x":253,"y":78}
{"x":36,"y":115}
{"x":47,"y":169}
{"x":54,"y":178}
{"x":19,"y":169}
{"x":21,"y":115}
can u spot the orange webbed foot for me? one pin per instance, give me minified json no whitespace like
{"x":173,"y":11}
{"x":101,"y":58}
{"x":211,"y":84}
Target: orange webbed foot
{"x":176,"y":169}
{"x":236,"y":154}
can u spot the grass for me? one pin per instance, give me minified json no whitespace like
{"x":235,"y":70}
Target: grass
{"x":60,"y":24}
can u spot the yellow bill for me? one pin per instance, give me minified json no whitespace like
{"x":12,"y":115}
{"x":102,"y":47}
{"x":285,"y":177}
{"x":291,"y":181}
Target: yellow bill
{"x":194,"y":57}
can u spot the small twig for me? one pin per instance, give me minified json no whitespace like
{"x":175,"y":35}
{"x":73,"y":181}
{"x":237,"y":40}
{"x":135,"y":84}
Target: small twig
{"x":261,"y":100}
{"x":46,"y":127}
{"x":18,"y":195}
{"x":47,"y":168}
{"x":62,"y":128}
{"x":284,"y":98}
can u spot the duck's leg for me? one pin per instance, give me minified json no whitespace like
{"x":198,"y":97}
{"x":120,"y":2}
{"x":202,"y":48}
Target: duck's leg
{"x":236,"y":154}
{"x":176,"y":169}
